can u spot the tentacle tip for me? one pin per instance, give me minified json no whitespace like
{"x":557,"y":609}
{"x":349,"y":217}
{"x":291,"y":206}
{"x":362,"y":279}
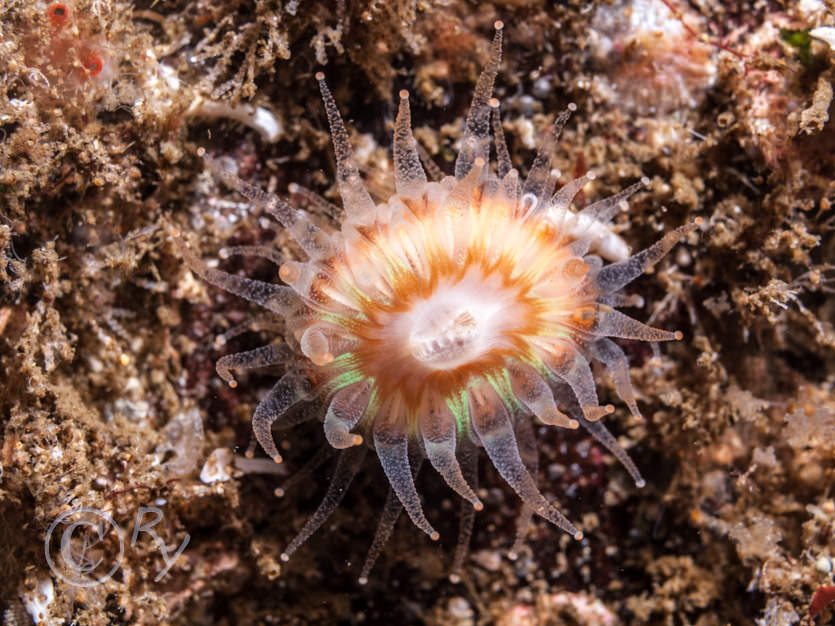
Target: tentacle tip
{"x":454,"y":579}
{"x":595,"y":413}
{"x":434,"y":536}
{"x":284,"y":557}
{"x":645,"y":181}
{"x":573,"y":425}
{"x":640,"y":483}
{"x":699,"y":221}
{"x":572,"y":106}
{"x":578,"y":536}
{"x":678,"y":335}
{"x":319,"y":76}
{"x":278,"y":492}
{"x":220,"y":340}
{"x":201,"y":152}
{"x":358,"y":440}
{"x":493,"y":103}
{"x":288,"y":273}
{"x":277,"y":459}
{"x":233,"y":384}
{"x":250,"y":454}
{"x":590,"y":175}
{"x":478,"y":506}
{"x":498,"y":24}
{"x":363,"y":580}
{"x":404,"y":95}
{"x":480,"y":162}
{"x":322,"y":359}
{"x":512,"y":556}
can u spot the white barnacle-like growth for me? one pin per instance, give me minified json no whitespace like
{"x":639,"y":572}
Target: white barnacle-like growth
{"x":444,"y":319}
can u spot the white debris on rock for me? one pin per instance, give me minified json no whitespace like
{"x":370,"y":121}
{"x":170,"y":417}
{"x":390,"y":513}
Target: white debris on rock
{"x":218,"y":467}
{"x":37,"y":602}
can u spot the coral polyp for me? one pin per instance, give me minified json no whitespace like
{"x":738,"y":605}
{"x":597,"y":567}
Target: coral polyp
{"x":445,"y":318}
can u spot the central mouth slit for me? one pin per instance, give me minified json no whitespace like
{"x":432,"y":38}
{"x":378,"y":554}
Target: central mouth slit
{"x":459,"y":323}
{"x":449,"y":338}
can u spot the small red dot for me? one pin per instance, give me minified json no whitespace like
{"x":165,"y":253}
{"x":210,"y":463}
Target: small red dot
{"x":93,"y":65}
{"x":59,"y":15}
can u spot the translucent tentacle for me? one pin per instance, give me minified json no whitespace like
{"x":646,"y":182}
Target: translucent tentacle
{"x":607,"y":439}
{"x":605,"y":209}
{"x":559,"y":213}
{"x":599,"y":432}
{"x":314,"y":199}
{"x":459,"y":200}
{"x":276,"y":298}
{"x":570,"y":366}
{"x":457,"y":207}
{"x":621,"y":299}
{"x":617,"y":275}
{"x":429,"y":165}
{"x":344,"y":412}
{"x":535,"y":394}
{"x":265,"y":252}
{"x":502,"y":153}
{"x":314,"y":345}
{"x":388,"y":518}
{"x":346,"y":468}
{"x":391,"y":443}
{"x":612,"y":323}
{"x":610,"y":354}
{"x":561,"y":200}
{"x":509,"y":189}
{"x":264,"y":356}
{"x":315,"y":242}
{"x":256,"y":324}
{"x":594,"y":262}
{"x":304,"y":473}
{"x":475,"y":142}
{"x":439,"y":431}
{"x":492,"y":425}
{"x":284,"y":213}
{"x":291,"y":388}
{"x":468,"y":456}
{"x":529,"y":453}
{"x":359,"y":206}
{"x":409,"y":177}
{"x":539,"y":175}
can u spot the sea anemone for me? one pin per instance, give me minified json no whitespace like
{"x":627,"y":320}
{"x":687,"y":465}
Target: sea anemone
{"x":441,"y":320}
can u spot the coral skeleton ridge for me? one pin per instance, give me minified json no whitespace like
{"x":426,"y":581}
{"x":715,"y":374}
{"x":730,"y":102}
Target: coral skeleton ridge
{"x":446,"y":318}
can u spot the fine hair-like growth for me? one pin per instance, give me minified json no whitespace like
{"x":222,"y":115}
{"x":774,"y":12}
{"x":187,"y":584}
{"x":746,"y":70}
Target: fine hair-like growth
{"x":442,"y":320}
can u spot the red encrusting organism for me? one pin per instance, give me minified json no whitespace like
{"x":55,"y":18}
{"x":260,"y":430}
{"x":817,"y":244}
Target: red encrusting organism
{"x":74,"y":56}
{"x":91,"y":61}
{"x":443,"y":319}
{"x":59,"y":15}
